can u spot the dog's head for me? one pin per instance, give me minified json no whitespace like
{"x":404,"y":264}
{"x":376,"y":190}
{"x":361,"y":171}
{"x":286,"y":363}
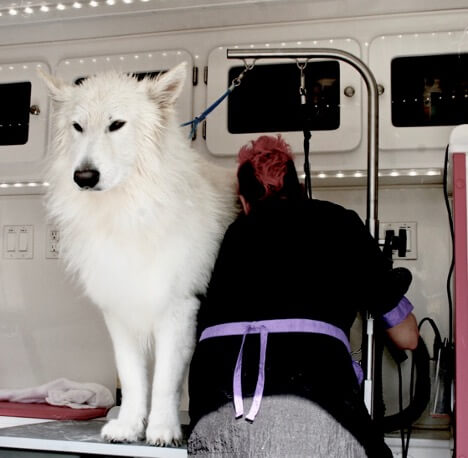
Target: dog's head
{"x":104,"y":124}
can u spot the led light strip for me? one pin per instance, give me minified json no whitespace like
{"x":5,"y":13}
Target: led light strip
{"x":39,"y":8}
{"x":27,"y":184}
{"x":321,"y":175}
{"x":323,"y":43}
{"x":47,"y":7}
{"x":382,"y":173}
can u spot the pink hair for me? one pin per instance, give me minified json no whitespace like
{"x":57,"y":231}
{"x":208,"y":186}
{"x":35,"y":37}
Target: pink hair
{"x":269,"y":157}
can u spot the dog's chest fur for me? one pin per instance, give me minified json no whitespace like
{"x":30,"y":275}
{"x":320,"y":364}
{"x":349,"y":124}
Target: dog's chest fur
{"x":142,"y":257}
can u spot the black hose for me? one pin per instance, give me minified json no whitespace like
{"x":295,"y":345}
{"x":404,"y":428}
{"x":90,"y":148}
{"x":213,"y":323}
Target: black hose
{"x":452,"y":262}
{"x":406,"y":417}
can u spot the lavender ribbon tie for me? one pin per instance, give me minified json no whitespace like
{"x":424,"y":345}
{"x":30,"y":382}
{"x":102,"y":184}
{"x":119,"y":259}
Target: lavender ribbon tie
{"x":254,"y":408}
{"x":263,"y":328}
{"x":237,"y":383}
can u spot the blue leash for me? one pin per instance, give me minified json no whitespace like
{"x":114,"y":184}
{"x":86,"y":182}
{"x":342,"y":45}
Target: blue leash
{"x":235,"y":82}
{"x":198,"y":119}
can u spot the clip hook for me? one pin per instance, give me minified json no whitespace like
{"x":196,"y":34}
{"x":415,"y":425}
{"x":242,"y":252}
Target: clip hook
{"x":302,"y":87}
{"x":237,"y":81}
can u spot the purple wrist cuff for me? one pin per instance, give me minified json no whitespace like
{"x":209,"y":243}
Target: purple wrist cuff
{"x":398,"y":314}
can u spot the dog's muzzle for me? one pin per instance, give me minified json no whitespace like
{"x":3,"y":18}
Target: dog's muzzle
{"x":87,"y":178}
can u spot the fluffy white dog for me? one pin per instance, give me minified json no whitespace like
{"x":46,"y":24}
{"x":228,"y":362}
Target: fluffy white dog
{"x":141,"y":216}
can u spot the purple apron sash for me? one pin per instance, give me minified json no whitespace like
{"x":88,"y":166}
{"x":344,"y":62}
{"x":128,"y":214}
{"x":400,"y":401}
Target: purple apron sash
{"x":263,"y":328}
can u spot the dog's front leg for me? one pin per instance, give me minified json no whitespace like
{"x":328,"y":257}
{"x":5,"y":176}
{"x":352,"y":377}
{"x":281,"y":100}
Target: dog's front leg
{"x":174,"y":339}
{"x":131,"y":366}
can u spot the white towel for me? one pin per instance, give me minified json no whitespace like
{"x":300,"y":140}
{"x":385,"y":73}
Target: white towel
{"x":62,"y":392}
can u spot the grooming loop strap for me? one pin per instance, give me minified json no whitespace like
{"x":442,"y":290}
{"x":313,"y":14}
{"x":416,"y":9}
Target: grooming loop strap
{"x":305,"y":127}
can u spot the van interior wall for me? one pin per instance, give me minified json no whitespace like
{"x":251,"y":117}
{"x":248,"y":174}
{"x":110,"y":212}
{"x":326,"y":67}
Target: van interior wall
{"x":49,"y":329}
{"x":424,"y":205}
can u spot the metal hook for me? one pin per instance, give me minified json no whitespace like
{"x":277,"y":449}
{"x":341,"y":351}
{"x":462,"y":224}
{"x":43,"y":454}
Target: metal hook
{"x":247,"y":66}
{"x":302,"y":87}
{"x":302,"y":65}
{"x":237,"y":81}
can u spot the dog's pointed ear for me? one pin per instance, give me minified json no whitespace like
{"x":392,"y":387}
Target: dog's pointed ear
{"x":58,"y":89}
{"x":167,"y":87}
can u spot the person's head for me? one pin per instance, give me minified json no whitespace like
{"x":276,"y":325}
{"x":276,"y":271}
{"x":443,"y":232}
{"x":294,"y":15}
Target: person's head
{"x":266,"y":171}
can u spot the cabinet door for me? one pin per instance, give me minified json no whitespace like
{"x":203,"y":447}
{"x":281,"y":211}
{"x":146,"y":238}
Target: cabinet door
{"x":23,"y":120}
{"x":268,"y":100}
{"x":425,"y":80}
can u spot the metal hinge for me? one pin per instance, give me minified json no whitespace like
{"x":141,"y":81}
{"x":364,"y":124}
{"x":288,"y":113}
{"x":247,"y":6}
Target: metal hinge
{"x":205,"y":75}
{"x":195,"y":76}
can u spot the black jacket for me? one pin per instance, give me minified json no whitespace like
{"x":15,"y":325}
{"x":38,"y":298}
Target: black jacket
{"x":304,"y":259}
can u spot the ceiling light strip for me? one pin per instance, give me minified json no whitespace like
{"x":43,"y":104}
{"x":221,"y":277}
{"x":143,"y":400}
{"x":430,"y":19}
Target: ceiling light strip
{"x":382,"y":173}
{"x":49,"y":7}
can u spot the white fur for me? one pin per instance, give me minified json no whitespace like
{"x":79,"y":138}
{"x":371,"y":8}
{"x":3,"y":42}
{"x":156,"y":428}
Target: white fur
{"x":144,"y":243}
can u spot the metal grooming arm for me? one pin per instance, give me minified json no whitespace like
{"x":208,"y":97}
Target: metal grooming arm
{"x":372,"y":154}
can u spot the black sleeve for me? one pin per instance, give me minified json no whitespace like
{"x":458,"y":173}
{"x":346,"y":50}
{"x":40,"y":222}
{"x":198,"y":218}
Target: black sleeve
{"x":224,"y":278}
{"x":382,"y":286}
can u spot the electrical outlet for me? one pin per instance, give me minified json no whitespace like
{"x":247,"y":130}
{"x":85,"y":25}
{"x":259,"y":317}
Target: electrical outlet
{"x":52,"y":242}
{"x":411,"y":237}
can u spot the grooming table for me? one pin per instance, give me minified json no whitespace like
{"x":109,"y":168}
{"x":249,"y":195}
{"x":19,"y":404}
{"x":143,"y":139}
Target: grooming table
{"x":75,"y":439}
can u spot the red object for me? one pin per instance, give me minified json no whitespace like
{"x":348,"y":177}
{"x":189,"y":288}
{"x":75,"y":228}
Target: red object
{"x":46,"y":411}
{"x":461,"y":305}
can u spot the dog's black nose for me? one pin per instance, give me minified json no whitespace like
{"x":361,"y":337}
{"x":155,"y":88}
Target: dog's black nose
{"x":86,"y":178}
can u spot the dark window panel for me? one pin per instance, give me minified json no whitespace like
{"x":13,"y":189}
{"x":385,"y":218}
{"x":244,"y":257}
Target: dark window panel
{"x":268,"y":99}
{"x":14,"y":113}
{"x":429,"y":90}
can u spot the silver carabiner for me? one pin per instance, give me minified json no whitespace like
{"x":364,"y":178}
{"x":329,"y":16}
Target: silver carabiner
{"x":237,"y":81}
{"x":247,"y":66}
{"x":302,"y":87}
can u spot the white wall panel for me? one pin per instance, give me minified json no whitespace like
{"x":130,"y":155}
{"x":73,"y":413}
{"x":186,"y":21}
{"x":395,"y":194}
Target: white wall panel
{"x":48,"y":329}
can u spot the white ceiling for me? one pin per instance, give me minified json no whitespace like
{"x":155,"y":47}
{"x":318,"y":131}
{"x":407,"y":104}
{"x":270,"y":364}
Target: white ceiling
{"x":29,"y":11}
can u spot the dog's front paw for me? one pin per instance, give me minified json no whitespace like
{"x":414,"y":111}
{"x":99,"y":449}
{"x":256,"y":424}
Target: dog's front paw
{"x":123,"y":431}
{"x":163,"y":434}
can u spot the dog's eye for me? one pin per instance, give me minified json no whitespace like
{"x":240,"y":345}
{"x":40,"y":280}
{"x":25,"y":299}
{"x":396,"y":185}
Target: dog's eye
{"x":116,"y":125}
{"x":77,"y":127}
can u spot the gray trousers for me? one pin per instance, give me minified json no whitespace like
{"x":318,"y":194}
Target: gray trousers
{"x":286,"y":427}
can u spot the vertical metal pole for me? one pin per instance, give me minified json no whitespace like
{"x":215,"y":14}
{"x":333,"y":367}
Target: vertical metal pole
{"x":372,"y":155}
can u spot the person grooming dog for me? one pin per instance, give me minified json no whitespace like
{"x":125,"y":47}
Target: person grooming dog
{"x":272,"y":373}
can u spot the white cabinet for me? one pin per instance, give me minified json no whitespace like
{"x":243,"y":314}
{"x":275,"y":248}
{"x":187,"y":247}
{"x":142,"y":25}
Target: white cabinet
{"x":23,"y":121}
{"x":268,"y":101}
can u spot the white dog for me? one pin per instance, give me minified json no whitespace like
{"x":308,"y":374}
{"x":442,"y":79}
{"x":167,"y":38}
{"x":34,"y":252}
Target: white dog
{"x":141,"y":217}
